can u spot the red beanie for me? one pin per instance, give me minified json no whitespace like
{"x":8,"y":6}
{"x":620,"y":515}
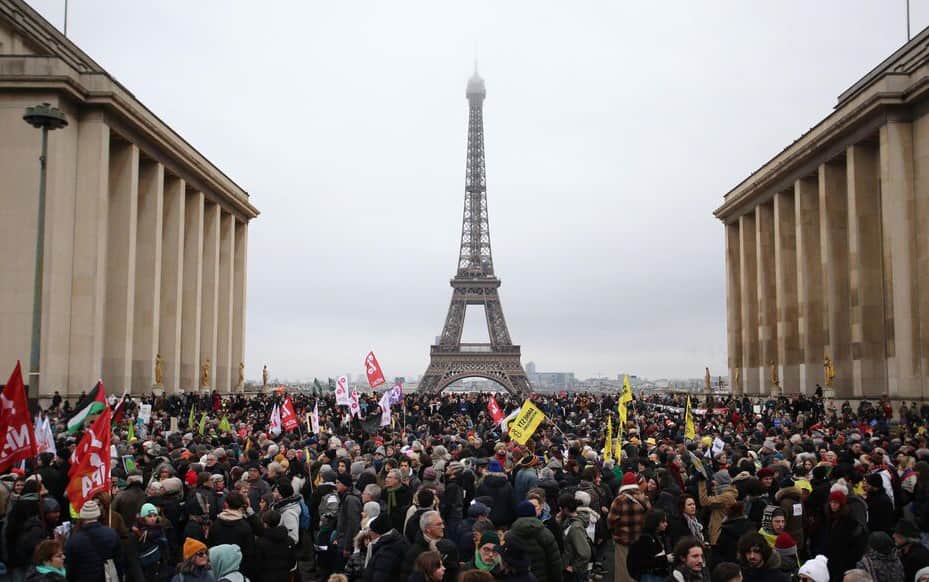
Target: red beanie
{"x":765,"y":472}
{"x":837,"y":496}
{"x":784,"y":541}
{"x":629,"y":479}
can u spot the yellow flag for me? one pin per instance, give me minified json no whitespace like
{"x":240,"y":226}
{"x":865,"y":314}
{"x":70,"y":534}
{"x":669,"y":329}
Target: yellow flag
{"x":689,"y":431}
{"x":248,"y":444}
{"x":618,"y":445}
{"x":131,"y":436}
{"x":624,"y":399}
{"x":608,"y":442}
{"x":529,"y":419}
{"x":202,"y":427}
{"x":224,"y":425}
{"x":190,"y":419}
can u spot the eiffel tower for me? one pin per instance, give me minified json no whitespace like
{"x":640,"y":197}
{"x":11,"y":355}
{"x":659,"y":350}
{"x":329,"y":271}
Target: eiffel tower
{"x":475,"y":284}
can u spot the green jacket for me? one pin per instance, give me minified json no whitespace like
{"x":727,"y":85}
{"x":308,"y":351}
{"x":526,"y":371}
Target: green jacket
{"x":577,"y":543}
{"x":541,"y":548}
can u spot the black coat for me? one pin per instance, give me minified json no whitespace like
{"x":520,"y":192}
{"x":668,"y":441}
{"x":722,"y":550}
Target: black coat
{"x":881,"y":512}
{"x":236,"y":532}
{"x":387,"y":556}
{"x":845,"y":544}
{"x":275,"y":555}
{"x":497,"y":487}
{"x":33,"y":576}
{"x":726,"y":548}
{"x":648,"y":555}
{"x":88,"y":548}
{"x":914,"y":557}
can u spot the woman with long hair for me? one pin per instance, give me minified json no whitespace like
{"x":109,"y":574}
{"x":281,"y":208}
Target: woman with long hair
{"x":648,"y":556}
{"x":689,"y":513}
{"x":428,"y":568}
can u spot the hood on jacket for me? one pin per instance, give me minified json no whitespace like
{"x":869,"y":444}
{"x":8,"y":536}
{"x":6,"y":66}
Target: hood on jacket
{"x":230,"y":515}
{"x":527,"y":527}
{"x":495,"y":480}
{"x":587,"y":516}
{"x":277,"y":534}
{"x":789,"y":492}
{"x":225,"y":559}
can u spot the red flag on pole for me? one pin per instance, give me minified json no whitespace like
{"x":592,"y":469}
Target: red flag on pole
{"x":91,"y":474}
{"x":289,"y":415}
{"x":494,"y":409}
{"x":373,"y":369}
{"x":17,"y":435}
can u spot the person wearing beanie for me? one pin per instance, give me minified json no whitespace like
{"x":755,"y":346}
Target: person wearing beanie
{"x":759,"y":561}
{"x":913,"y":554}
{"x":486,"y":558}
{"x":496,"y":485}
{"x":880,"y":560}
{"x":922,"y":575}
{"x":90,"y":545}
{"x":786,"y":548}
{"x":196,"y":563}
{"x":790,"y":499}
{"x":881,"y":516}
{"x":287,"y":503}
{"x":772,"y":523}
{"x":348,"y":522}
{"x":846,"y":538}
{"x":626,"y":519}
{"x":815,"y":570}
{"x":539,"y":543}
{"x":473,"y":526}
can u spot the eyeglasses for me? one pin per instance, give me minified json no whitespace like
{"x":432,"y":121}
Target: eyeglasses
{"x":58,"y":555}
{"x":201,"y":554}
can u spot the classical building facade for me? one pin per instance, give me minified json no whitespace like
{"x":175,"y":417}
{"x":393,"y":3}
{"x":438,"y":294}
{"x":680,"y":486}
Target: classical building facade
{"x":827,"y":247}
{"x":145,"y":240}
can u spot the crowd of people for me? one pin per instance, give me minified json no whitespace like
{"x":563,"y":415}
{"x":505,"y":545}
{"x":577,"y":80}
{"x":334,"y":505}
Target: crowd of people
{"x":779,"y":489}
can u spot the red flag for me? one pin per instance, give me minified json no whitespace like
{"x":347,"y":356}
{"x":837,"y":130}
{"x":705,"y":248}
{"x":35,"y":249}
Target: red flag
{"x":91,"y":474}
{"x":289,"y":415}
{"x":373,"y":369}
{"x":16,"y":432}
{"x":494,"y":409}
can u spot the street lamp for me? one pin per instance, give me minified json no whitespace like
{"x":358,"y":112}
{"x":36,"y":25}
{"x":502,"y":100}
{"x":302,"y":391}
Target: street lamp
{"x":46,"y":118}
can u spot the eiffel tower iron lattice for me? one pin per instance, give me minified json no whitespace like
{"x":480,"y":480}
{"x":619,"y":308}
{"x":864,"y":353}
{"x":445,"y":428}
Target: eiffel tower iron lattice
{"x":475,"y":284}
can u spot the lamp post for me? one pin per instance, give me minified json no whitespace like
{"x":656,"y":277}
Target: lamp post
{"x":46,"y":118}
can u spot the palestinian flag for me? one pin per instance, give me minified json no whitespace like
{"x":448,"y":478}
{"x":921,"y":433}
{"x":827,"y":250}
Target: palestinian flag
{"x":90,"y":406}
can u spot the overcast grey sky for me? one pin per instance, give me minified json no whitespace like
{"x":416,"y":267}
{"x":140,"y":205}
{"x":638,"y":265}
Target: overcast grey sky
{"x":613,"y":129}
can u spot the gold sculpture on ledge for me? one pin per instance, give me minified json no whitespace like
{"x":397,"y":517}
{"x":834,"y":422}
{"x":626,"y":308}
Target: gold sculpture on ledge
{"x":829,"y":368}
{"x":159,"y":369}
{"x":205,"y":374}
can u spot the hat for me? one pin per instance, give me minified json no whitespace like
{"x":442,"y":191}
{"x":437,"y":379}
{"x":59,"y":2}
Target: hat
{"x":148,"y":509}
{"x":722,"y":478}
{"x":328,"y":473}
{"x":429,"y":474}
{"x":489,"y":537}
{"x":343,"y":478}
{"x":650,"y":441}
{"x":90,"y":511}
{"x":921,"y":573}
{"x":583,"y":498}
{"x":907,"y":529}
{"x":495,"y":466}
{"x":380,"y":451}
{"x":477,"y":508}
{"x":838,"y":496}
{"x":880,"y":542}
{"x":629,"y":479}
{"x":525,"y":509}
{"x":764,"y":472}
{"x":191,"y":547}
{"x":784,"y":541}
{"x":49,"y":505}
{"x":380,"y":524}
{"x":817,"y":569}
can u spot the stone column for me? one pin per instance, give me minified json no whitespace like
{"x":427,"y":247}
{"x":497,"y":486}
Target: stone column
{"x":120,"y":266}
{"x":209,"y":307}
{"x":809,"y":284}
{"x":789,"y":355}
{"x":767,"y":295}
{"x":734,"y":307}
{"x":226,"y":370}
{"x":238,"y":299}
{"x":920,"y":176}
{"x":172,"y":282}
{"x":904,"y":377}
{"x":193,"y":276}
{"x":147,"y":275}
{"x":749,"y":293}
{"x":88,"y":277}
{"x":833,"y":221}
{"x":869,"y":362}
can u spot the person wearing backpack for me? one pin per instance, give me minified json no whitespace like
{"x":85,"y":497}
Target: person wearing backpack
{"x":92,"y":548}
{"x":231,"y":527}
{"x":288,"y":505}
{"x":577,"y":545}
{"x":148,"y":553}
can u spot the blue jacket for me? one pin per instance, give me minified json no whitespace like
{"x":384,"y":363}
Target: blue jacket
{"x":88,"y":548}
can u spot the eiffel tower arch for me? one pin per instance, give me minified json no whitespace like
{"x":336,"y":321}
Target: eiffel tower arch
{"x":475,"y":284}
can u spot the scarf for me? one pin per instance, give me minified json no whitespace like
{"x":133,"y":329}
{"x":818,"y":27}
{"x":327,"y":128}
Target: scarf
{"x":43,"y":569}
{"x":482,"y":565}
{"x":695,"y":527}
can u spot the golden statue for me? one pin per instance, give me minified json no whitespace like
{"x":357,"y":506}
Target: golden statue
{"x":205,"y":374}
{"x":264,"y":375}
{"x":829,"y":368}
{"x":241,"y":374}
{"x":737,"y":378}
{"x":775,"y":379}
{"x":707,"y":381}
{"x":159,"y":369}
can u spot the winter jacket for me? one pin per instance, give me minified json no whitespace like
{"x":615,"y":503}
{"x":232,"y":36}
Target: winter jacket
{"x":232,"y":528}
{"x":577,"y":547}
{"x":398,"y":500}
{"x":275,"y":555}
{"x":526,"y":479}
{"x":914,"y":557}
{"x":128,"y":502}
{"x":882,"y":567}
{"x":497,"y":487}
{"x":845,"y":544}
{"x":648,"y":555}
{"x":726,"y":548}
{"x":200,"y":575}
{"x":33,"y":575}
{"x":541,"y":548}
{"x":790,"y":499}
{"x":452,"y":503}
{"x":770,"y":571}
{"x":444,"y":546}
{"x":627,"y":516}
{"x":31,"y":535}
{"x":349,"y":520}
{"x":290,"y":516}
{"x":88,"y":548}
{"x":881,"y":515}
{"x":719,"y":505}
{"x":387,"y":554}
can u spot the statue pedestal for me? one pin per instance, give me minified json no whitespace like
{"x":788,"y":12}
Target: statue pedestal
{"x":265,"y":389}
{"x":205,"y":389}
{"x":158,"y":389}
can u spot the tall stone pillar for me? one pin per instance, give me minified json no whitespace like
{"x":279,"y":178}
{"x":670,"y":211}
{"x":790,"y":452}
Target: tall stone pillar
{"x":920,"y":136}
{"x":767,"y":295}
{"x":226,"y":370}
{"x":238,"y":298}
{"x":833,"y":221}
{"x":734,"y":306}
{"x":172,"y":282}
{"x":147,"y":275}
{"x":809,"y":284}
{"x":209,"y":306}
{"x":865,"y":270}
{"x":193,"y":277}
{"x":749,"y":282}
{"x":120,"y":266}
{"x":88,"y":277}
{"x":901,"y":293}
{"x":789,"y":355}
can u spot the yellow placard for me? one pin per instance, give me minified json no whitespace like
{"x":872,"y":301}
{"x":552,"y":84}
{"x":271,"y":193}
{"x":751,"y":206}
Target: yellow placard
{"x":529,"y":419}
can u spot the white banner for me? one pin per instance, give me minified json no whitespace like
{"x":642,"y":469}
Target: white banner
{"x":341,"y":392}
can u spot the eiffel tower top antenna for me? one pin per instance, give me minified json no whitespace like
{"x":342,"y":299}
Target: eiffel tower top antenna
{"x":475,"y":258}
